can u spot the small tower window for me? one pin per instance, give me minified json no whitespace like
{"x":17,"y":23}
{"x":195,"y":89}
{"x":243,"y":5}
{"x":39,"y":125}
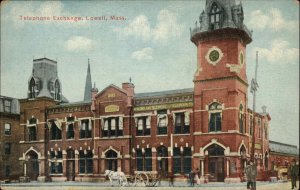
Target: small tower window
{"x":32,"y":87}
{"x":241,"y":119}
{"x":215,"y":17}
{"x":57,"y":91}
{"x":215,"y":117}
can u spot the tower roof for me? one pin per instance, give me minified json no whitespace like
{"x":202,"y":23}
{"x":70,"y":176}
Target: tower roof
{"x":88,"y":84}
{"x":219,"y":16}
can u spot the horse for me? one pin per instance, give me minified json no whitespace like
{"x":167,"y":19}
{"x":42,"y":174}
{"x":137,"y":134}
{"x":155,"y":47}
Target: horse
{"x":116,"y":176}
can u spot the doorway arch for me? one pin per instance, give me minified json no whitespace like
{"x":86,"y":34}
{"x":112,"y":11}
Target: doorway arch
{"x":216,"y":163}
{"x":32,"y":165}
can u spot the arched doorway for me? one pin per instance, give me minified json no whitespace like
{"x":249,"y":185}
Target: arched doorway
{"x":32,"y":165}
{"x":216,"y":163}
{"x":111,"y":160}
{"x":162,"y":160}
{"x":70,"y":165}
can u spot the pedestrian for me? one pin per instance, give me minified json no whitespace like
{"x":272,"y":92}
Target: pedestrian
{"x":248,"y":174}
{"x":293,"y":173}
{"x":253,"y":174}
{"x":192,"y":178}
{"x":197,"y":178}
{"x":171,"y":179}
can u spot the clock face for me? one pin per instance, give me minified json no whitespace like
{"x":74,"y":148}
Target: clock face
{"x":214,"y":55}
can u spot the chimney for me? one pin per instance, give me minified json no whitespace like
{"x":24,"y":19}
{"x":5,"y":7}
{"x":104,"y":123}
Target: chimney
{"x":129,"y":88}
{"x":264,"y":109}
{"x":94,"y":92}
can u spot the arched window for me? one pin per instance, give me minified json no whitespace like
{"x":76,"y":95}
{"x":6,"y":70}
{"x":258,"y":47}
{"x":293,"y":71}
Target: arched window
{"x":57,"y":90}
{"x":148,"y":159}
{"x":182,"y":160}
{"x":162,"y":158}
{"x":55,"y":132}
{"x":241,"y":119}
{"x":85,"y":162}
{"x":215,"y":17}
{"x":215,"y":117}
{"x":139,"y":160}
{"x":56,"y":162}
{"x":111,"y":160}
{"x":32,"y":88}
{"x":32,"y":129}
{"x":144,"y":160}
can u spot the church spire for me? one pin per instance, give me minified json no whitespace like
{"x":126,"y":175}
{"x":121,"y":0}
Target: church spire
{"x":88,"y":84}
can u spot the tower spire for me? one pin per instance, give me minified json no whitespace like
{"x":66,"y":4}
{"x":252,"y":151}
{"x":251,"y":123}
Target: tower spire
{"x":88,"y":84}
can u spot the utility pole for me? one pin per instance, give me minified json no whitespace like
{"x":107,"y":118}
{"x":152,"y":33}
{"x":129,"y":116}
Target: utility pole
{"x":253,"y":90}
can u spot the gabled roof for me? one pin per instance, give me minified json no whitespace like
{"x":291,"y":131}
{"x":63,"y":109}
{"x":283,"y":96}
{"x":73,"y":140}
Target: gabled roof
{"x":112,"y":86}
{"x":164,"y":93}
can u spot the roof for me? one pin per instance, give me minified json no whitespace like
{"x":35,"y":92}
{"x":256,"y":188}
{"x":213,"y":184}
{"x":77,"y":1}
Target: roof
{"x":14,"y":104}
{"x":164,"y":93}
{"x":283,"y":148}
{"x":72,"y":104}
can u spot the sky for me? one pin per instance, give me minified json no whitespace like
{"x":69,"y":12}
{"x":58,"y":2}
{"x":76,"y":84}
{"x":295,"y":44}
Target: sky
{"x":149,"y":43}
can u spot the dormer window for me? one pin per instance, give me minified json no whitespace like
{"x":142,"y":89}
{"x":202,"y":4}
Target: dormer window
{"x":57,"y":90}
{"x":215,"y":17}
{"x":32,"y":88}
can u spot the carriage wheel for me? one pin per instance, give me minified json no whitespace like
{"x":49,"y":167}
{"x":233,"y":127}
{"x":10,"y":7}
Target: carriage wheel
{"x":141,"y":180}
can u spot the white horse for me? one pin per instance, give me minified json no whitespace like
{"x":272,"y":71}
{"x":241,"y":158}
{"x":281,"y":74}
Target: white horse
{"x":116,"y":176}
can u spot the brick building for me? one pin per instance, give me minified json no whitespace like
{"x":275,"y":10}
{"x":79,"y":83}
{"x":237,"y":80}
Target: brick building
{"x":208,"y":127}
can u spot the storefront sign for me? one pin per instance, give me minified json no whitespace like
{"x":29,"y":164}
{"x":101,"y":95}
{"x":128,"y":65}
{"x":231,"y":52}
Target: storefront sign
{"x":164,"y":106}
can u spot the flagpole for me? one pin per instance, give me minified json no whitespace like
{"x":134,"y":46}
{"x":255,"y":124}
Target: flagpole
{"x":254,"y":87}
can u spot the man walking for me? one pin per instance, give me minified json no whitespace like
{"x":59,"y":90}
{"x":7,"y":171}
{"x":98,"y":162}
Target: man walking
{"x":293,"y":172}
{"x":192,"y":178}
{"x":253,"y":174}
{"x":248,"y":174}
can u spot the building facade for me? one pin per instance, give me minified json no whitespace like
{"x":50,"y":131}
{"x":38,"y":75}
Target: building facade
{"x":208,"y":127}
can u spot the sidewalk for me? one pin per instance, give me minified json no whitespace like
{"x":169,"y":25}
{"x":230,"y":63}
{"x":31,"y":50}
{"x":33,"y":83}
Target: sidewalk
{"x":163,"y":185}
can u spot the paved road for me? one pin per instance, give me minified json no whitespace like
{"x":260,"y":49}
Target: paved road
{"x":164,"y":186}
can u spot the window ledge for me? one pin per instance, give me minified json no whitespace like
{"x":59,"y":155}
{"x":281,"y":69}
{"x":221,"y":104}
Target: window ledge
{"x":143,"y":136}
{"x":54,"y":140}
{"x":164,"y":135}
{"x":82,"y":139}
{"x":85,"y":174}
{"x":56,"y":174}
{"x":181,"y":134}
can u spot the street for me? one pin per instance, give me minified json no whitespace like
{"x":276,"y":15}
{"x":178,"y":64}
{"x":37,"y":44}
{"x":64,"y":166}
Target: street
{"x":163,"y":185}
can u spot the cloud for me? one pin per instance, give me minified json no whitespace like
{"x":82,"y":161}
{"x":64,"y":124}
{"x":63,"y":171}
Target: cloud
{"x":166,"y":27}
{"x":79,"y":43}
{"x":272,"y":20}
{"x":279,"y":52}
{"x":143,"y":54}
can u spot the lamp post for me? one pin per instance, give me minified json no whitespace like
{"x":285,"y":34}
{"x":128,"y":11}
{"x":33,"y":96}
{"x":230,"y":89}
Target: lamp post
{"x":253,"y":90}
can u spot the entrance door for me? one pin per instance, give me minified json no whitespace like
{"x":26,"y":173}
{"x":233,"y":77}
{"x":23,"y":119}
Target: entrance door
{"x":70,"y":165}
{"x":33,"y":166}
{"x":216,"y":163}
{"x":216,"y":169}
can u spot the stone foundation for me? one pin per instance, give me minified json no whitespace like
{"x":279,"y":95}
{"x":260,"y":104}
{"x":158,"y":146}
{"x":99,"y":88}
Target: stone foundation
{"x":232,"y":180}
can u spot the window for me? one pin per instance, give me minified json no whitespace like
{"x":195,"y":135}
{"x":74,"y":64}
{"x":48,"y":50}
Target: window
{"x":7,"y":148}
{"x":7,"y":129}
{"x":112,"y":127}
{"x":32,"y":129}
{"x":144,"y":160}
{"x":182,"y":123}
{"x":241,"y":119}
{"x":56,"y":162}
{"x":215,"y":120}
{"x":85,"y":162}
{"x":55,"y":130}
{"x":32,"y":88}
{"x":85,"y":129}
{"x":251,"y":125}
{"x":7,"y":106}
{"x":259,"y":132}
{"x":7,"y":171}
{"x":215,"y":17}
{"x":266,"y":130}
{"x":70,"y":127}
{"x":143,"y":126}
{"x":57,"y":90}
{"x":182,"y":161}
{"x":162,"y":122}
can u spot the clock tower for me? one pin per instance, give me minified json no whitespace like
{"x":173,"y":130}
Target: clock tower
{"x":220,"y":86}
